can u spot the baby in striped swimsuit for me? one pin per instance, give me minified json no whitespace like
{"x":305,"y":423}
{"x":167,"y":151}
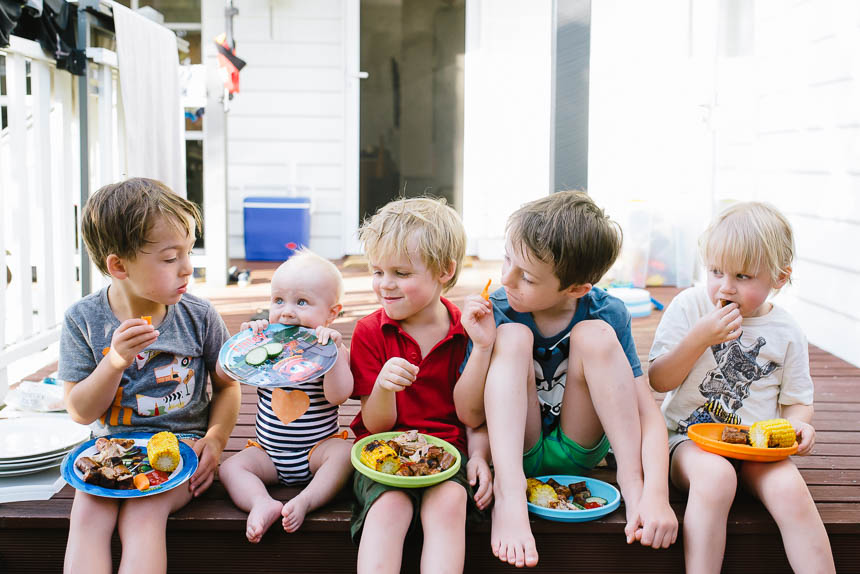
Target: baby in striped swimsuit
{"x":294,"y":425}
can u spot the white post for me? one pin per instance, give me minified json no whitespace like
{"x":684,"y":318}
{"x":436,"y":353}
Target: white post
{"x":65,"y":191}
{"x":106,"y":128}
{"x":40,"y":79}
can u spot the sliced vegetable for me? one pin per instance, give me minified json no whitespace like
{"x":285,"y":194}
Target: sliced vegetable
{"x":273,"y":349}
{"x":141,"y":482}
{"x":148,"y":319}
{"x":577,"y":506}
{"x":590,"y":505}
{"x":257,"y":356}
{"x":595,"y":499}
{"x":486,"y":292}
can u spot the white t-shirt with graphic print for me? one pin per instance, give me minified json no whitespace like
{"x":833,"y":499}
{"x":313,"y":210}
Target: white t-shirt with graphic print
{"x":740,"y":381}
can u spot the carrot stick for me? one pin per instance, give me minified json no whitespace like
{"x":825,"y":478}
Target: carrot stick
{"x":148,"y":319}
{"x":486,"y":292}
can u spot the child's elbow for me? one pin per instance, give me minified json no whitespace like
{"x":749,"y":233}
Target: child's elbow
{"x":471,"y":418}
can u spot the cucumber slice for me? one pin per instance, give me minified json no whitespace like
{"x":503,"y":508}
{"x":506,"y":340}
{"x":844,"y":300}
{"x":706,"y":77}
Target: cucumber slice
{"x":256,"y":356}
{"x":577,"y":506}
{"x":273,"y":349}
{"x":597,"y":499}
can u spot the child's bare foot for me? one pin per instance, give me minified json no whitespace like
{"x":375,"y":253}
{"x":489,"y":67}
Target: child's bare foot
{"x":294,"y":513}
{"x":511,"y":536}
{"x":263,"y":514}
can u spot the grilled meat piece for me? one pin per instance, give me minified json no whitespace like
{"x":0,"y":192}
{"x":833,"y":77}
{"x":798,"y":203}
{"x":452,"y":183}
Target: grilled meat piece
{"x":735,"y":436}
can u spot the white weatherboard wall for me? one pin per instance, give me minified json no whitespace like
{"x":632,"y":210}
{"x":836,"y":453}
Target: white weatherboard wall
{"x":789,"y":134}
{"x":286,"y":128}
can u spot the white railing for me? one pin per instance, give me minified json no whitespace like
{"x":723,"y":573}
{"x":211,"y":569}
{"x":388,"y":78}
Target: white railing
{"x":40,"y":192}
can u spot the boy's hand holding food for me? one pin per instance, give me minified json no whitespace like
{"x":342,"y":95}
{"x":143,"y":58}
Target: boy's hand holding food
{"x":720,"y":325}
{"x":397,"y":373}
{"x":478,"y":321}
{"x":256,"y":326}
{"x":130,"y":338}
{"x":324,"y":334}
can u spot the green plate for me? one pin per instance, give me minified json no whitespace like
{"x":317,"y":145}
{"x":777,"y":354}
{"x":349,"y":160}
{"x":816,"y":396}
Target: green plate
{"x":404,"y":481}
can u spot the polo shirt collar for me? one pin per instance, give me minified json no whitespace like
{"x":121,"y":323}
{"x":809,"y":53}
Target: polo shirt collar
{"x":455,"y":328}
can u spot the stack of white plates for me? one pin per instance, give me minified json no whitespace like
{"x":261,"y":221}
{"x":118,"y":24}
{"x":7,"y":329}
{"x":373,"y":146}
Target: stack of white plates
{"x":33,"y":444}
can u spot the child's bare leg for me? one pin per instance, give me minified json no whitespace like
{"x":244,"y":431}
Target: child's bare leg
{"x":712,"y":482}
{"x":381,"y":548}
{"x":245,"y":476}
{"x":331,"y":468}
{"x":513,"y":423}
{"x":783,"y":491}
{"x":599,"y":397}
{"x":443,"y":519}
{"x":143,"y":530}
{"x":91,"y":526}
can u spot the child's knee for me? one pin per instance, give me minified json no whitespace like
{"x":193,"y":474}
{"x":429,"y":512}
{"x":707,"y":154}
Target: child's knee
{"x":716,"y":484}
{"x":513,"y":337}
{"x":593,"y":338}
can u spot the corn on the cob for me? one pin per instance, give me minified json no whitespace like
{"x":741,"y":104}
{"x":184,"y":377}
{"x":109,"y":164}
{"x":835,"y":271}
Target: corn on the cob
{"x":541,"y":494}
{"x":772,"y":433}
{"x":163,"y":451}
{"x":379,"y":456}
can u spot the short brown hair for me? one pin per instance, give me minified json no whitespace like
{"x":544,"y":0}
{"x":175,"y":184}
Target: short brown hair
{"x":117,"y":217}
{"x":570,"y":232}
{"x":434,"y":224}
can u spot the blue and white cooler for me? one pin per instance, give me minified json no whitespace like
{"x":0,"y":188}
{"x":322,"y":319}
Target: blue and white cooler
{"x":637,"y":301}
{"x":276,"y":226}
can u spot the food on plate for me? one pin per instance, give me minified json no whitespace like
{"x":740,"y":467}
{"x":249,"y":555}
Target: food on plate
{"x":380,"y":457}
{"x":772,"y":433}
{"x":552,"y":494}
{"x":735,"y":435}
{"x":257,"y":356}
{"x":407,"y":454}
{"x":109,"y":467}
{"x":163,"y":451}
{"x":486,"y":292}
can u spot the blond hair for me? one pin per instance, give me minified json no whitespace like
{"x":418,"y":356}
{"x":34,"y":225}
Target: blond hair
{"x":570,"y":232}
{"x":117,"y":217}
{"x":307,"y":258}
{"x":431,"y":223}
{"x":750,"y":237}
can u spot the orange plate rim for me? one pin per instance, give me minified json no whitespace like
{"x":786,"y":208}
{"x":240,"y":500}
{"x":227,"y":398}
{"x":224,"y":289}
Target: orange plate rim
{"x":706,"y":436}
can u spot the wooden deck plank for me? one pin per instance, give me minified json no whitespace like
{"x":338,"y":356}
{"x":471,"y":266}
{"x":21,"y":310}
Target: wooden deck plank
{"x":33,"y":534}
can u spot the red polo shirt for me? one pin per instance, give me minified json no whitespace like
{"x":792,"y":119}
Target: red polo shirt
{"x":428,"y":404}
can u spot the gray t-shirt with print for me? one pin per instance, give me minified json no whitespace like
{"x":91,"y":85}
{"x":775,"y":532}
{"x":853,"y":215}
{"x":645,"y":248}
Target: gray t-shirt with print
{"x":165,"y":386}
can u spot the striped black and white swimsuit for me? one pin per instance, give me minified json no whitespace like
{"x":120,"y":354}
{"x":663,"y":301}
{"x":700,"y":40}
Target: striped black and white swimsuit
{"x":289,"y":445}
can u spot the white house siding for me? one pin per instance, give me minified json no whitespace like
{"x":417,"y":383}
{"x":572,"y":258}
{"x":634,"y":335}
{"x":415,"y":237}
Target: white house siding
{"x":285,"y":129}
{"x":787,"y":127}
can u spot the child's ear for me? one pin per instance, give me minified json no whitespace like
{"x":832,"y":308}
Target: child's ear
{"x":333,"y":312}
{"x":116,"y":267}
{"x":783,"y":278}
{"x":448,"y":273}
{"x":577,"y":291}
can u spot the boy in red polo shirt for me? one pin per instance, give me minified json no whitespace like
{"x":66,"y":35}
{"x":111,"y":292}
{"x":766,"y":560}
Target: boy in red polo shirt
{"x":405,"y":359}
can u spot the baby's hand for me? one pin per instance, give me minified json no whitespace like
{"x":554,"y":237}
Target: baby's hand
{"x":325,"y":333}
{"x":805,"y":436}
{"x":720,"y":325}
{"x":256,"y":326}
{"x":478,"y":321}
{"x":478,"y":472}
{"x":396,"y":374}
{"x":130,"y":338}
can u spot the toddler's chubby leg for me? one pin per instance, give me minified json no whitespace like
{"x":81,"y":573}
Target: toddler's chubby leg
{"x":331,"y":467}
{"x":784,"y":493}
{"x":91,"y":526}
{"x":381,"y":548}
{"x":443,"y":519}
{"x":712,"y":482}
{"x":513,"y":423}
{"x":245,"y":476}
{"x":143,"y":530}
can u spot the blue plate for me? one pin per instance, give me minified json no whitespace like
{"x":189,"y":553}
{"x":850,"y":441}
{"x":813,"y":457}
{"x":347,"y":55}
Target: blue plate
{"x":303,"y":358}
{"x":597,"y":488}
{"x":186,"y":468}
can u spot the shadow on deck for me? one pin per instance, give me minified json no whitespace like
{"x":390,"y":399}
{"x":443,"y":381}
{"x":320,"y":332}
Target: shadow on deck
{"x":208,"y":534}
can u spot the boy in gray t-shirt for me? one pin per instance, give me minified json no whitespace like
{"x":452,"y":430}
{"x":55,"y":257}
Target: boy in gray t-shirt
{"x":135,"y":357}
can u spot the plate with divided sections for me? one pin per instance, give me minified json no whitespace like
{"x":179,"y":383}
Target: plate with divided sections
{"x":280,"y":356}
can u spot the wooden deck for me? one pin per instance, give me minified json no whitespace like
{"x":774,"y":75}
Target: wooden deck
{"x":208,"y":535}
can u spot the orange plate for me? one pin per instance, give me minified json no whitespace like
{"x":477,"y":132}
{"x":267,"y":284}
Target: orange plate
{"x":707,"y":436}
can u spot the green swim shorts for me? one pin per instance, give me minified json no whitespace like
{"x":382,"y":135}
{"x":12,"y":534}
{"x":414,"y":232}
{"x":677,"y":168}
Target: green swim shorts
{"x":555,"y":453}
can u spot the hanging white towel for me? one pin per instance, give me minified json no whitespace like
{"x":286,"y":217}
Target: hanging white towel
{"x":152,"y":108}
